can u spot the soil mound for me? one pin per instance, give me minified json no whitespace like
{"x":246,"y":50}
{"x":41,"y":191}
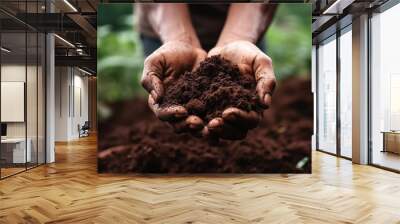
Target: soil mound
{"x":133,"y":140}
{"x":216,"y":85}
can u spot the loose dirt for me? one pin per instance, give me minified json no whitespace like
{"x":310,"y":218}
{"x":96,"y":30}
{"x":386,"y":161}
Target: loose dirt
{"x":216,"y":85}
{"x":133,"y":140}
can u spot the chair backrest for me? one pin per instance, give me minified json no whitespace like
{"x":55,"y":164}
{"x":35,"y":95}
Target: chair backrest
{"x":86,"y":124}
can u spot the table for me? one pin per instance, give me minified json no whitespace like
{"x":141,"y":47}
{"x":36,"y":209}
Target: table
{"x":391,"y":141}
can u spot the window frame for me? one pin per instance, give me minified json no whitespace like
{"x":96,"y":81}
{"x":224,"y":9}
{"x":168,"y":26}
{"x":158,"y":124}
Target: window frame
{"x":342,"y":26}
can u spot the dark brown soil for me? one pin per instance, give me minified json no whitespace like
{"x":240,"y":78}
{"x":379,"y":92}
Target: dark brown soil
{"x":133,"y":140}
{"x":216,"y":85}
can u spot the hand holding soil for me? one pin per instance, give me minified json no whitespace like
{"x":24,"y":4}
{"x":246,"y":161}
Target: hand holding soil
{"x":164,"y":66}
{"x":235,"y":122}
{"x":218,"y":94}
{"x":226,"y":96}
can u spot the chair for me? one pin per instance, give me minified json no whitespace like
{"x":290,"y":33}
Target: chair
{"x":84,"y":130}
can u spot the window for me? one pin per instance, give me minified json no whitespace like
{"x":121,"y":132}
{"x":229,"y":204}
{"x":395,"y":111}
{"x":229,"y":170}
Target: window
{"x":385,"y":89}
{"x":327,"y":95}
{"x":345,"y":92}
{"x":13,"y":147}
{"x":22,"y":77}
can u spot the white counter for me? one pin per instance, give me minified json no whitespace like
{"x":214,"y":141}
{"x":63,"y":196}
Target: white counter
{"x":17,"y":145}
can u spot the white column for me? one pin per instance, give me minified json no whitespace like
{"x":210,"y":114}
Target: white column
{"x":62,"y":103}
{"x":360,"y":90}
{"x":50,"y":92}
{"x":50,"y":99}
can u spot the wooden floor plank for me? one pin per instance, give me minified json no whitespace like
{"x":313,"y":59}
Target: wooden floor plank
{"x":71,"y":191}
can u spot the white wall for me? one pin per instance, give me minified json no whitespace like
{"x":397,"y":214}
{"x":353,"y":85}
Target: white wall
{"x":33,"y":126}
{"x":12,"y":73}
{"x":71,"y":94}
{"x":62,"y":81}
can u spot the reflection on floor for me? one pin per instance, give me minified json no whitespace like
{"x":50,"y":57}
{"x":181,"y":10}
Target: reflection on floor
{"x":10,"y":169}
{"x":386,"y":159}
{"x":71,"y":191}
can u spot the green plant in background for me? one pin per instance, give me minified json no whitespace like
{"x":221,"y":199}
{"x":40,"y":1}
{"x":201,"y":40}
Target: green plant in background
{"x":289,"y":40}
{"x":119,"y":55}
{"x":120,"y":59}
{"x":119,"y":63}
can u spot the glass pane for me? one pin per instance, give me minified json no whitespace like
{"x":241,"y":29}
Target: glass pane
{"x":327,"y":96}
{"x":14,"y":153}
{"x":345,"y":94}
{"x":385,"y":84}
{"x":41,"y":98}
{"x":32,"y":97}
{"x":31,"y":86}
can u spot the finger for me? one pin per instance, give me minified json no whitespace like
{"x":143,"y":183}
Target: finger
{"x":241,"y":118}
{"x":213,"y":129}
{"x":211,"y":139}
{"x":154,"y":86}
{"x":265,"y":78}
{"x":264,"y":91}
{"x":194,"y":123}
{"x":205,"y":132}
{"x":153,"y":105}
{"x":201,"y":56}
{"x":214,"y":126}
{"x":167,"y":113}
{"x":172,"y":113}
{"x":151,"y":76}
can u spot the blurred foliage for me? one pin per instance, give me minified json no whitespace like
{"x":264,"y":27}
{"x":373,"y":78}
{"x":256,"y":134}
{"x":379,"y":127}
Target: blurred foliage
{"x":289,"y":40}
{"x":119,"y":55}
{"x":114,"y":15}
{"x":120,"y":59}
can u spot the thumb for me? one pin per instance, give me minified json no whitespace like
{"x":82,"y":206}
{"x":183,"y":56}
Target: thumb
{"x":151,"y":76}
{"x":214,"y":51}
{"x":201,"y":56}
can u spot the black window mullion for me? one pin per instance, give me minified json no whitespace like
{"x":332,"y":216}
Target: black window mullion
{"x":316,"y":97}
{"x":26,"y":86}
{"x":37,"y":89}
{"x":338,"y":77}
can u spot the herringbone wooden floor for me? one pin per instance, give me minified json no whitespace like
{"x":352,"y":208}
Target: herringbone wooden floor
{"x":71,"y":191}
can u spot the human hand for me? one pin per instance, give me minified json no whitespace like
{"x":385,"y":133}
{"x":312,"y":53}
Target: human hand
{"x":235,"y":123}
{"x":164,"y":66}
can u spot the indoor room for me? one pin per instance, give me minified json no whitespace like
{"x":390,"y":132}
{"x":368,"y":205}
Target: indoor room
{"x":22,"y":98}
{"x":116,"y":111}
